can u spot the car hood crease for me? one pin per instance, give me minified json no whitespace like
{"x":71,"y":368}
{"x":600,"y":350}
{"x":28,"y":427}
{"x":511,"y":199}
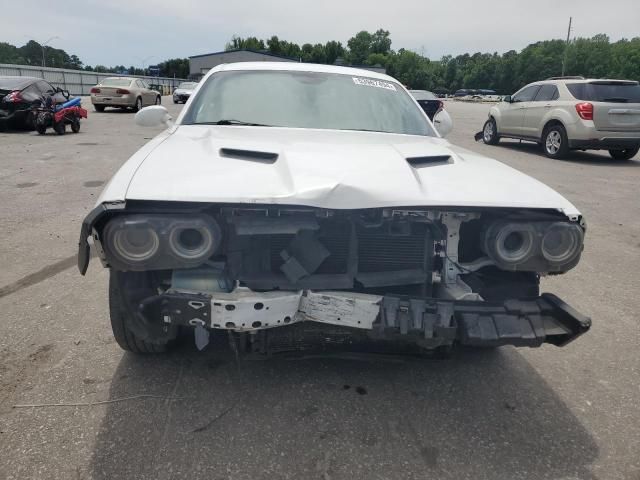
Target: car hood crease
{"x":329,"y":169}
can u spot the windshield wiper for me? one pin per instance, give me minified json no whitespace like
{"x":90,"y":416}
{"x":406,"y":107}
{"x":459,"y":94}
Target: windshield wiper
{"x":616,"y":100}
{"x":363,"y":130}
{"x":232,"y":122}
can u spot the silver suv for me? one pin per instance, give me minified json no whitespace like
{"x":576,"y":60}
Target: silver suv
{"x":571,"y":113}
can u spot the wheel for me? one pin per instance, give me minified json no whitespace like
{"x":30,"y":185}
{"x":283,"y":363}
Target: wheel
{"x":41,"y":124}
{"x":175,"y":101}
{"x":158,"y":100}
{"x":490,"y":132}
{"x":59,"y":127}
{"x":99,"y":108}
{"x":131,"y":332}
{"x":30,"y":121}
{"x":626,"y":154}
{"x":75,"y":125}
{"x":138,"y":106}
{"x":555,"y":142}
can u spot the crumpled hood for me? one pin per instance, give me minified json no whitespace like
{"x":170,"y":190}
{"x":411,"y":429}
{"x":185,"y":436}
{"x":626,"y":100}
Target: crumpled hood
{"x":325,"y":169}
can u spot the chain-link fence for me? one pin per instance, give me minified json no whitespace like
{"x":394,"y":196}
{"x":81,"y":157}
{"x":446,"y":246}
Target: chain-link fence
{"x":79,"y":82}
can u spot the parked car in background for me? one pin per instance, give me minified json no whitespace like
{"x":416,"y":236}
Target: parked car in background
{"x":571,"y":113}
{"x":295,"y":207}
{"x":428,"y":102}
{"x":17,"y":95}
{"x":124,"y":92}
{"x":434,"y":108}
{"x":183,"y":92}
{"x":463,"y":92}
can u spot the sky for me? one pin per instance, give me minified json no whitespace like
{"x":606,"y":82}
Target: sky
{"x":133,"y":32}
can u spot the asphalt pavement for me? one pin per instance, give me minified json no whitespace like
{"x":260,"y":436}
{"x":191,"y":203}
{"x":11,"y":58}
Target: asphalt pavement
{"x":547,"y":413}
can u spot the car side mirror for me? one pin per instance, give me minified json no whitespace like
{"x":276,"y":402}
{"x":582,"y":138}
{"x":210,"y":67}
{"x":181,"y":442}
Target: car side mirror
{"x":154,"y":116}
{"x":507,"y":99}
{"x":443,"y":123}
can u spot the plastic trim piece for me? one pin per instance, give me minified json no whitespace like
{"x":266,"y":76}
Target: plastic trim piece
{"x":84,"y":249}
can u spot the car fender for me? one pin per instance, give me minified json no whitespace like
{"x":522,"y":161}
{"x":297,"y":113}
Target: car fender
{"x":557,"y":114}
{"x":116,"y":189}
{"x":494,"y":112}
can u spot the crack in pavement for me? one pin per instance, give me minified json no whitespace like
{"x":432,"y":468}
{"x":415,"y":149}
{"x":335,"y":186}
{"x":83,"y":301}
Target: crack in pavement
{"x":39,"y":276}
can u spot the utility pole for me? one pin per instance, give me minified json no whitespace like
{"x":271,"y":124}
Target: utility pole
{"x":566,"y":48}
{"x":42,"y":45}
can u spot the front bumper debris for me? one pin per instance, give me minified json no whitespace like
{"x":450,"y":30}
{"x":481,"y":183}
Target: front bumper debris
{"x":429,"y":322}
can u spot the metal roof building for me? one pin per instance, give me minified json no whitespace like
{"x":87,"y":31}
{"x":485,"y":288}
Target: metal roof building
{"x":201,"y":64}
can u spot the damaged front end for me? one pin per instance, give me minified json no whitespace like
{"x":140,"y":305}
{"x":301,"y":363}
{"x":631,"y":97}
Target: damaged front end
{"x":287,"y":278}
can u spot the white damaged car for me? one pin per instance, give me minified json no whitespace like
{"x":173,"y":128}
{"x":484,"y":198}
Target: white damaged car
{"x":302,"y":206}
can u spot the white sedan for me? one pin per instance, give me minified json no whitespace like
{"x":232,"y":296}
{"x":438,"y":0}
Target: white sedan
{"x":297,"y":206}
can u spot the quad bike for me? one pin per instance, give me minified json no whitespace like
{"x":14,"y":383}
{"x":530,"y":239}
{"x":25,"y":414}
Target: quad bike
{"x":47,"y":114}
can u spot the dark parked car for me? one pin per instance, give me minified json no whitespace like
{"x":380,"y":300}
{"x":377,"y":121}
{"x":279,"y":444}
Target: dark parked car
{"x":18,"y":93}
{"x":428,"y":101}
{"x":463,"y":92}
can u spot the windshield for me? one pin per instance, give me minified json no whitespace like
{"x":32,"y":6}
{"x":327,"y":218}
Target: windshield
{"x":187,"y":85}
{"x":306,"y":100}
{"x":603,"y":91}
{"x":116,"y":82}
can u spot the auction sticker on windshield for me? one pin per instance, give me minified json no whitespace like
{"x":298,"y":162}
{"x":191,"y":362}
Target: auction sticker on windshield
{"x":374,"y":83}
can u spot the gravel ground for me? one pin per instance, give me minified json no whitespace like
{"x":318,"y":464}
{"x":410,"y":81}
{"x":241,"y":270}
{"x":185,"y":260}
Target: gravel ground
{"x":557,"y":413}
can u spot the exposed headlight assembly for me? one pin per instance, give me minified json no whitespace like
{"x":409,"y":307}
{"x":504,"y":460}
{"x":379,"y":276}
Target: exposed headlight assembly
{"x":562,"y":243}
{"x":154,"y":242}
{"x":534,"y":246}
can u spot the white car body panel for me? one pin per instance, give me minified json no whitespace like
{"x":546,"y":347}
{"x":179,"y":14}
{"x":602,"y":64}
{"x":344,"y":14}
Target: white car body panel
{"x":321,"y":168}
{"x":245,"y":290}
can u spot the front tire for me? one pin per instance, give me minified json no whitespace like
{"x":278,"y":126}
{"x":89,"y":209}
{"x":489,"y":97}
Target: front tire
{"x":41,"y":127}
{"x":626,"y":154}
{"x":59,"y":127}
{"x":132,"y":334}
{"x":555,"y":142}
{"x":490,"y":132}
{"x":75,"y":125}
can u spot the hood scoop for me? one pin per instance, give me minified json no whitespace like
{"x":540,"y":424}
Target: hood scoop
{"x":429,"y":161}
{"x":251,"y":155}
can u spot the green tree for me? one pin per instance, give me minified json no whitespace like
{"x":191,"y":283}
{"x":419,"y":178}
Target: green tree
{"x":333,"y":50}
{"x":178,"y":67}
{"x":249,"y":43}
{"x":359,"y":47}
{"x":9,"y":53}
{"x":274,"y":46}
{"x":381,"y":42}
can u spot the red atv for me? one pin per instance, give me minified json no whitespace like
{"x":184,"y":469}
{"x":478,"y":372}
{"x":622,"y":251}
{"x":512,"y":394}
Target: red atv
{"x":47,"y":114}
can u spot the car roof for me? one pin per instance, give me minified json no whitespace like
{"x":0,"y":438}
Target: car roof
{"x":422,"y":94}
{"x":16,"y":82}
{"x":299,"y":67}
{"x":562,"y":81}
